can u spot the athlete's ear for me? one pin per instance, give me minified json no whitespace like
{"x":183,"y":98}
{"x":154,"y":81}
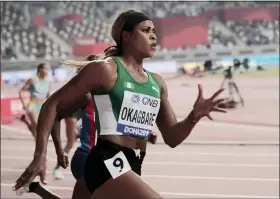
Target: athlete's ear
{"x":126,"y":36}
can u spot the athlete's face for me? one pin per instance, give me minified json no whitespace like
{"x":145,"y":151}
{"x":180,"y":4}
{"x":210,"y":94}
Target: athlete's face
{"x":45,"y":70}
{"x":143,"y":39}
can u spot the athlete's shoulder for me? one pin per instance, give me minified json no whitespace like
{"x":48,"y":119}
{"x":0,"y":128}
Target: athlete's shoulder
{"x":160,"y":81}
{"x":159,"y":78}
{"x":31,"y":80}
{"x":156,"y":75}
{"x":107,"y":65}
{"x":100,"y":72}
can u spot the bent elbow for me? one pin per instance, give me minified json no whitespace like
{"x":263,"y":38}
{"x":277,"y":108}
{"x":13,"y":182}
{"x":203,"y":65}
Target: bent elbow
{"x":20,"y":92}
{"x":170,"y":143}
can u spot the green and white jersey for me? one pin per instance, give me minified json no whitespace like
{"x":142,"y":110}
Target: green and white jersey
{"x":130,"y":108}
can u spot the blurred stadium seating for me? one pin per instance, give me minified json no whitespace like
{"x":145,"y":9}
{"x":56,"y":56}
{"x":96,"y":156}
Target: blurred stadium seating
{"x":48,"y":31}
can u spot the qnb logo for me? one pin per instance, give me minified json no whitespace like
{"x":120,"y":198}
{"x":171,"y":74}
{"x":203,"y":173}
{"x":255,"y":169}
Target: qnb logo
{"x":150,"y":102}
{"x":135,"y":98}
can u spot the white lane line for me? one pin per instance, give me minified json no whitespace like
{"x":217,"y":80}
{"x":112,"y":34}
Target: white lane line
{"x":254,"y":128}
{"x":209,"y":164}
{"x":176,"y":177}
{"x":212,"y":154}
{"x":166,"y":193}
{"x":14,"y":129}
{"x":212,"y":178}
{"x":213,"y":142}
{"x":174,"y":163}
{"x":158,"y":153}
{"x":216,"y":195}
{"x":258,"y":128}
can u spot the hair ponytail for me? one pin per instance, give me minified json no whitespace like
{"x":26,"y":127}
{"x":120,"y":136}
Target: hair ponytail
{"x":80,"y":64}
{"x":113,"y":51}
{"x":75,"y":64}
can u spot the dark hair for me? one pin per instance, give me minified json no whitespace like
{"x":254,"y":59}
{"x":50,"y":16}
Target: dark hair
{"x":93,"y":57}
{"x":126,"y":21}
{"x":39,"y":67}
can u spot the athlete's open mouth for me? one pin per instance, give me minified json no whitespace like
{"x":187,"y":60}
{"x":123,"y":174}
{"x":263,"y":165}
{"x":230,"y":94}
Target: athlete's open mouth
{"x":153,"y":46}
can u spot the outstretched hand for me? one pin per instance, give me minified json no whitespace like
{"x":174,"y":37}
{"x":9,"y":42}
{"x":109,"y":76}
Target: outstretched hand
{"x":36,"y":168}
{"x":202,"y":107}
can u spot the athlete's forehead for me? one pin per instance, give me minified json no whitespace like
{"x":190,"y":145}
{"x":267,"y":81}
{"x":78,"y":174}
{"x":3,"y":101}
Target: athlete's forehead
{"x":146,"y":24}
{"x":46,"y":66}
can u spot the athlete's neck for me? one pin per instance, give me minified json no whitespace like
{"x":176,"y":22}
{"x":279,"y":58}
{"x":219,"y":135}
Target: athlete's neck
{"x":132,"y":61}
{"x":42,"y":77}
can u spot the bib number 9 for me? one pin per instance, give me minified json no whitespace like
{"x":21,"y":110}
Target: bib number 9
{"x":117,"y":165}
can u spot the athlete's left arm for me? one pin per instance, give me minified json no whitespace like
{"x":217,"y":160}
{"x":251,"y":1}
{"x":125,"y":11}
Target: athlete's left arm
{"x":173,"y":132}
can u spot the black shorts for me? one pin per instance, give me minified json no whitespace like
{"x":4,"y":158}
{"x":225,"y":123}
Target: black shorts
{"x":78,"y":163}
{"x":97,"y":165}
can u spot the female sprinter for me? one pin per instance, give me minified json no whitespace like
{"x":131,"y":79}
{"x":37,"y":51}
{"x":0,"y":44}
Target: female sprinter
{"x":128,"y":101}
{"x":39,"y":90}
{"x":88,"y":140}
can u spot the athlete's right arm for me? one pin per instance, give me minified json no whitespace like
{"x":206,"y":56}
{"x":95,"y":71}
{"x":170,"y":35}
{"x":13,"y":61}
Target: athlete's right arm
{"x":94,"y":77}
{"x":25,"y":88}
{"x":55,"y":133}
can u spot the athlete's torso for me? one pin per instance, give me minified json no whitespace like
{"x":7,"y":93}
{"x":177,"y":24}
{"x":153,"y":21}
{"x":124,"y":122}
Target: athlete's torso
{"x":39,"y":89}
{"x":129,"y":109}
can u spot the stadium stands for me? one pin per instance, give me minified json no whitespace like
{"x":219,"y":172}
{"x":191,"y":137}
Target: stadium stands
{"x":90,"y":25}
{"x":32,"y":42}
{"x":18,"y":34}
{"x":255,"y":32}
{"x":91,"y":20}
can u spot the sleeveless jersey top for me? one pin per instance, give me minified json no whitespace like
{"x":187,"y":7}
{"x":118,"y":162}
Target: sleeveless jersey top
{"x":39,"y":88}
{"x":130,"y":108}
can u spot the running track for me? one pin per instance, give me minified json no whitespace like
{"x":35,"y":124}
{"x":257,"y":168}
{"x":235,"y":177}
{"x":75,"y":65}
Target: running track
{"x":229,"y":159}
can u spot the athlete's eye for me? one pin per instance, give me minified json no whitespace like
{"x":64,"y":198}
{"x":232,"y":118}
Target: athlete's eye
{"x":146,"y":29}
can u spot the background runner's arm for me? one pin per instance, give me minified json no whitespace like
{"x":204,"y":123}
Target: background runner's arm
{"x":25,"y":88}
{"x":96,"y":76}
{"x":173,"y":132}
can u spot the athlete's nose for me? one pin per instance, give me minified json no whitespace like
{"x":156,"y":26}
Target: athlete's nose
{"x":153,"y":37}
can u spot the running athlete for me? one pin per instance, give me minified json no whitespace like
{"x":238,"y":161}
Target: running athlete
{"x":39,"y":90}
{"x":86,"y":114}
{"x":128,"y":101}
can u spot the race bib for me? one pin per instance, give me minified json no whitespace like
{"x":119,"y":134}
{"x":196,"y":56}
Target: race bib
{"x":117,"y":165}
{"x":138,"y":114}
